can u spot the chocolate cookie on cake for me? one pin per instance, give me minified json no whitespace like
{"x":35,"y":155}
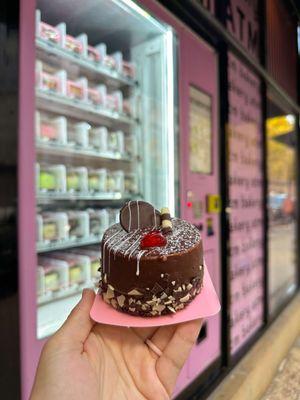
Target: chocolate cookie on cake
{"x":152,"y":264}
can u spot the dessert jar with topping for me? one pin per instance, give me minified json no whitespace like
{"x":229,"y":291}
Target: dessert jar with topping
{"x":76,"y":45}
{"x":55,"y":227}
{"x":47,"y":32}
{"x":77,"y":179}
{"x":49,"y":80}
{"x":77,"y":90}
{"x":116,"y":142}
{"x":79,"y":268}
{"x":93,"y":54}
{"x":49,"y":129}
{"x":118,"y":61}
{"x":96,"y":96}
{"x":99,"y":221}
{"x":112,"y":61}
{"x":78,"y":134}
{"x":94,"y":257}
{"x":116,"y":181}
{"x":51,"y":178}
{"x":114,"y":101}
{"x":98,"y":180}
{"x":98,"y":139}
{"x":54,"y":274}
{"x":79,"y":224}
{"x":131,"y":183}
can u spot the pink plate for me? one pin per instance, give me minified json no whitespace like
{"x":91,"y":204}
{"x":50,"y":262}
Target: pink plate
{"x":205,"y":304}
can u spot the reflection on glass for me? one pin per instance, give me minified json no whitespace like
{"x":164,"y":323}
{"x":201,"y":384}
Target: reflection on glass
{"x":104,"y":129}
{"x":281,"y":162}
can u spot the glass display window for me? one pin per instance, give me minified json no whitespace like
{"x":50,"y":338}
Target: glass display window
{"x":282,"y":200}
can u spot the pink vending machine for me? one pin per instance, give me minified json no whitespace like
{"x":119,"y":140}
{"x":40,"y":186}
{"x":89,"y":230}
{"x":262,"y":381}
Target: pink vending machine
{"x":98,"y":126}
{"x":199,"y":181}
{"x":199,"y":175}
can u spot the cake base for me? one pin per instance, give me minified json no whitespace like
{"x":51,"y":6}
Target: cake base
{"x":155,"y":302}
{"x":204,"y":305}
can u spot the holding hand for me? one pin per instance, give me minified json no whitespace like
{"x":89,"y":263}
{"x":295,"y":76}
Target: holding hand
{"x":89,"y":361}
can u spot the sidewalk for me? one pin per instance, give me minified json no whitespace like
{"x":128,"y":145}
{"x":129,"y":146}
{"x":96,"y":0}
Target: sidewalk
{"x":271,"y":369}
{"x":286,"y":383}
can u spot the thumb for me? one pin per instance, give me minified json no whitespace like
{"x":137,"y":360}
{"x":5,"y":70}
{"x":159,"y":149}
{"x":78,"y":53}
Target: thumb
{"x":79,"y":324}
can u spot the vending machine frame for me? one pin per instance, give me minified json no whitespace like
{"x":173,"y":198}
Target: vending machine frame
{"x":202,"y":18}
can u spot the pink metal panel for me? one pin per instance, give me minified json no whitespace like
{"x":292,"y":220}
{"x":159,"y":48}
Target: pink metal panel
{"x":199,"y":68}
{"x":30,"y":346}
{"x":158,"y":11}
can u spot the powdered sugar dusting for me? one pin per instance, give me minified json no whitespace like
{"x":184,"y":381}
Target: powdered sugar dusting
{"x":183,"y":237}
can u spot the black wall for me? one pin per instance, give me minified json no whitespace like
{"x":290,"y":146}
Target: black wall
{"x":9,"y":309}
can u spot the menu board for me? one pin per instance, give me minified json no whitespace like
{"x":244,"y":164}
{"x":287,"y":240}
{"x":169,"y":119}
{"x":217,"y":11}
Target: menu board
{"x":246,"y":203}
{"x":200,"y":157}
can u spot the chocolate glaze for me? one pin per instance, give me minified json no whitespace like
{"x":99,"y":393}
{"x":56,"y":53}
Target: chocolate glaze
{"x":126,"y":267}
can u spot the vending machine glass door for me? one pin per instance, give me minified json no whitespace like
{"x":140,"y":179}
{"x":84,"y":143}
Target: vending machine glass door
{"x":104,"y":134}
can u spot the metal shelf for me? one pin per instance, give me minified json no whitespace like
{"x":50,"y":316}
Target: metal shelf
{"x":55,"y":55}
{"x":81,"y":111}
{"x":70,"y":150}
{"x":48,"y":196}
{"x":67,"y":244}
{"x":66,"y":294}
{"x":51,"y":315}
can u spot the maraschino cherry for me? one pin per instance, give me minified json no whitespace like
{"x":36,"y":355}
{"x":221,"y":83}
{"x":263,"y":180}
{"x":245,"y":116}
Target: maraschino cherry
{"x":153,"y":239}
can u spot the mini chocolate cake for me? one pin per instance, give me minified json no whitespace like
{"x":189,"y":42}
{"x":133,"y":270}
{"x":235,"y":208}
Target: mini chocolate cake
{"x":152,"y":264}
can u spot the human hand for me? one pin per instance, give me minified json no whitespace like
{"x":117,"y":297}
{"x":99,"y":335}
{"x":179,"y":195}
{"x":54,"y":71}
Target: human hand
{"x":88,"y":361}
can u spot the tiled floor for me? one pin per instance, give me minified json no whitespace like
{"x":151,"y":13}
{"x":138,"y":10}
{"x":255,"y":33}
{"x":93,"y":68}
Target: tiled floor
{"x":286,"y":383}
